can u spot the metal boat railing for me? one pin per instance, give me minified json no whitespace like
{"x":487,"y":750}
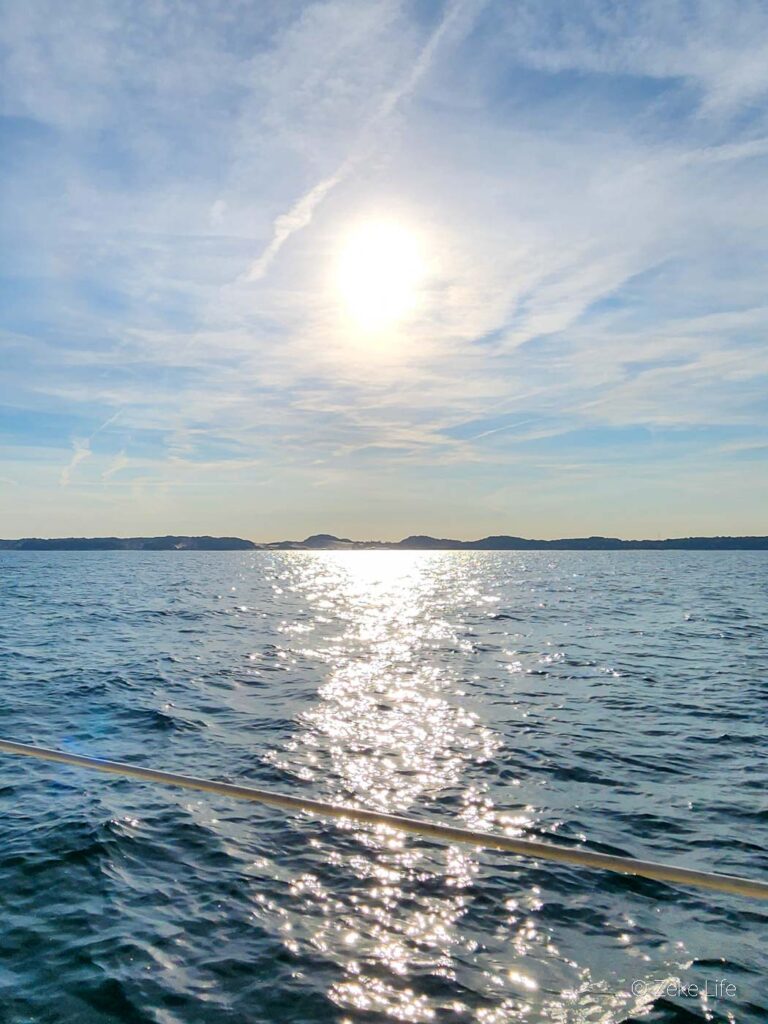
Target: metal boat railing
{"x":577,"y":857}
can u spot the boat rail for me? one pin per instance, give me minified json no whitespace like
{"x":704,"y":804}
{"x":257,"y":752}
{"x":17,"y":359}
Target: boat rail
{"x":578,"y":857}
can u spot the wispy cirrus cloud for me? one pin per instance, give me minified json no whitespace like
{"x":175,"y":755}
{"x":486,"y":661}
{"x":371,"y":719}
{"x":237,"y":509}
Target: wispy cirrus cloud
{"x":589,"y":186}
{"x":81,"y":450}
{"x":300,"y":214}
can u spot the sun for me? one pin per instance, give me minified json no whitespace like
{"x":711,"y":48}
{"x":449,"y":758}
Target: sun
{"x":380,"y":271}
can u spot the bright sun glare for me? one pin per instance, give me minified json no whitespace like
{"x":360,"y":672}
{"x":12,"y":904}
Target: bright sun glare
{"x":379,"y":274}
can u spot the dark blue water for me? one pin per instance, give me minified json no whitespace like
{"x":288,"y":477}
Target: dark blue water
{"x":613,"y":699}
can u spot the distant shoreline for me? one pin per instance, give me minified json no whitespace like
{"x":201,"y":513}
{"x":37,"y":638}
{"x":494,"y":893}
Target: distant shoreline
{"x":328,"y":542}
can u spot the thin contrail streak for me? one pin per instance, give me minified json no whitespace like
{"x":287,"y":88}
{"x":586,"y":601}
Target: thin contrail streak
{"x":300,"y":214}
{"x":82,"y":450}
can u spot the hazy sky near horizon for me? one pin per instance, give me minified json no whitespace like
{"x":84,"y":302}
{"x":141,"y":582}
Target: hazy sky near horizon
{"x":583,"y":346}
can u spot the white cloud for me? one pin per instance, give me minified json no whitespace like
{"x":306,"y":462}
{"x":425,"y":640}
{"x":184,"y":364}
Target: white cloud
{"x":301,"y":212}
{"x":119,"y":463}
{"x":596,"y":243}
{"x":81,"y":451}
{"x":714,"y":45}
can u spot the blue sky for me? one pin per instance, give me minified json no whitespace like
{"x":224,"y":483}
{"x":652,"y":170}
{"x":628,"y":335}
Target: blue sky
{"x":587,"y":183}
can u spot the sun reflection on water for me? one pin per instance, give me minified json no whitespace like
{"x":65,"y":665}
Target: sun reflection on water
{"x":390,"y":729}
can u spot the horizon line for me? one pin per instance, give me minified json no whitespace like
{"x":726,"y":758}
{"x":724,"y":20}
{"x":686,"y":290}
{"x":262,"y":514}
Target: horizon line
{"x":320,"y":541}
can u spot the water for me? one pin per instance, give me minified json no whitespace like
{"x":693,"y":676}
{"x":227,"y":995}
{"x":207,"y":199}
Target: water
{"x":618,"y":698}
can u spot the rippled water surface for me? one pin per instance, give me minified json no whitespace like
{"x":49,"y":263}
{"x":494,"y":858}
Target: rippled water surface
{"x":613,"y":699}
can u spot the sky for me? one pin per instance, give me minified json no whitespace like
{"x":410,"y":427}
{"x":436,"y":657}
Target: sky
{"x":575,"y":244}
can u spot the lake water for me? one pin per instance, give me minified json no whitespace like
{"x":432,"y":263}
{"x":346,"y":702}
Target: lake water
{"x":614,"y":699}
